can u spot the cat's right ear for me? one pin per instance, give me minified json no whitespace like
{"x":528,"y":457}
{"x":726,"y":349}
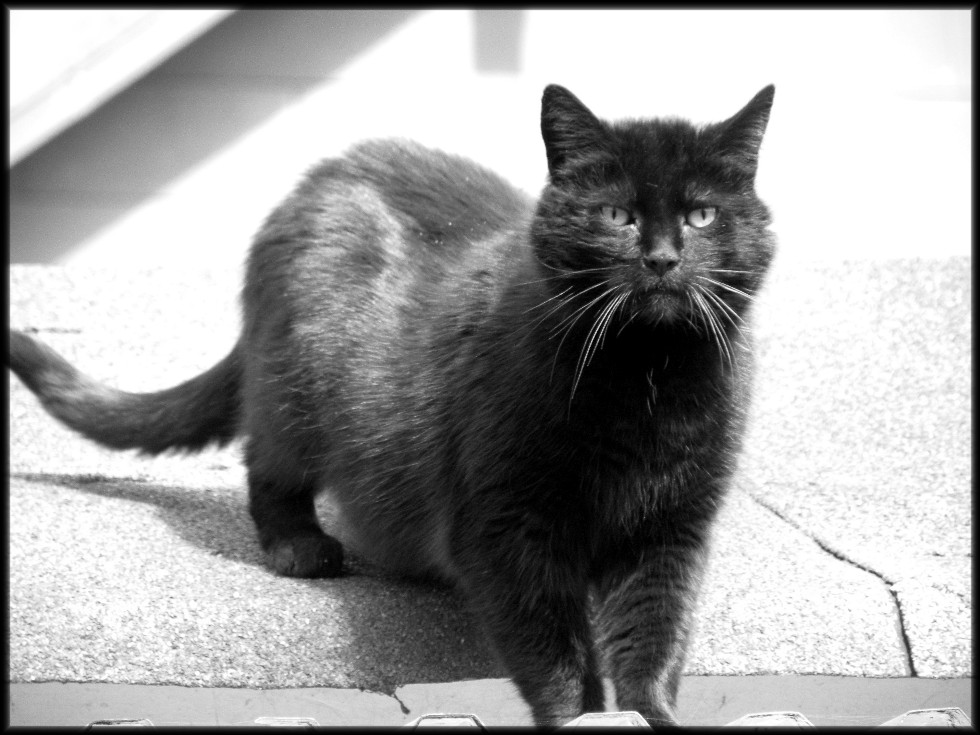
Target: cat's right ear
{"x":742,"y":133}
{"x":567,"y":126}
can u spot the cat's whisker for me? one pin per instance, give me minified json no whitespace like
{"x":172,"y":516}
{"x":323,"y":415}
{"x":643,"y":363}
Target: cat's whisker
{"x":577,"y":314}
{"x":620,"y":300}
{"x":734,"y":290}
{"x":562,"y":303}
{"x":568,"y":323}
{"x":721,"y":340}
{"x":697,"y":312}
{"x":593,"y":287}
{"x":562,"y":273}
{"x":548,"y":301}
{"x":713,"y":325}
{"x":698,"y":308}
{"x":568,"y":330}
{"x":546,"y":279}
{"x":597,"y":332}
{"x":726,"y":311}
{"x":627,"y":322}
{"x":729,"y":271}
{"x":557,"y":307}
{"x":596,"y":336}
{"x":575,"y":317}
{"x":730,"y":314}
{"x":694,"y":311}
{"x":725,"y":344}
{"x":707,"y":296}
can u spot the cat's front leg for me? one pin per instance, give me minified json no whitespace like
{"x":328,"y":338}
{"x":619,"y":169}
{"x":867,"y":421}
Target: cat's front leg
{"x":646,"y":620}
{"x":535,"y":609}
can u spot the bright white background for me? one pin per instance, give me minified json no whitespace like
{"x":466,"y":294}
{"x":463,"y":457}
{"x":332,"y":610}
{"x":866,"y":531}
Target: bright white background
{"x":867,"y":155}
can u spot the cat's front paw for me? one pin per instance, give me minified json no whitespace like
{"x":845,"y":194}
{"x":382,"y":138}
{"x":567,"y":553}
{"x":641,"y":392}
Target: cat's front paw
{"x":307,"y":556}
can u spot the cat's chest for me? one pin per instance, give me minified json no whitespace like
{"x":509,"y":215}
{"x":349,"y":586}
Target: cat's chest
{"x":649,"y":437}
{"x":649,"y":430}
{"x":647,"y":405}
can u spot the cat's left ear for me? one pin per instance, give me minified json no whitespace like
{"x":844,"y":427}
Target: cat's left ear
{"x":741,"y":134}
{"x":568,"y":127}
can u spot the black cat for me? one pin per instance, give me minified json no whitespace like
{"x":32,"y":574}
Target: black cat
{"x":539,"y":402}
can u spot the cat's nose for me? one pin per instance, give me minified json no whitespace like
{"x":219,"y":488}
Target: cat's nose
{"x":661,"y":254}
{"x":661,"y":261}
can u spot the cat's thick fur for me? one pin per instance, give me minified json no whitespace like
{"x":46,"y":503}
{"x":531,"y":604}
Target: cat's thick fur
{"x":539,"y":402}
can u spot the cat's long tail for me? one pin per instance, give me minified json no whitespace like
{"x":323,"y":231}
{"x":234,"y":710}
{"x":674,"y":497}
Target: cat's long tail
{"x":186,"y":417}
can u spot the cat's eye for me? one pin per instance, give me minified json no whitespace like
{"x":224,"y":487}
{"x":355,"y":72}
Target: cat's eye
{"x":617,"y":215}
{"x":701,"y":217}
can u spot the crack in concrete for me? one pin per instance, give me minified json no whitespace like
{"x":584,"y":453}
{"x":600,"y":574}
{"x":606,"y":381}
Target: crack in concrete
{"x":889,"y":585}
{"x":405,"y":709}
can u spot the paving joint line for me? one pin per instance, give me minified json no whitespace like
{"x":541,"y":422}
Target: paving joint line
{"x":889,"y":585}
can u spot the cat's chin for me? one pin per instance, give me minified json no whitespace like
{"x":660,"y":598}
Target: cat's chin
{"x":663,"y":307}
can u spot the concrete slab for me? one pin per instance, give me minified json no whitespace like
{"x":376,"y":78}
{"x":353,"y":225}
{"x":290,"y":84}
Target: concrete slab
{"x":862,"y":433}
{"x":56,"y":704}
{"x":775,"y":602}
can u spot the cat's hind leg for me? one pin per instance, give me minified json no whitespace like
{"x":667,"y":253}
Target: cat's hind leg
{"x":281,"y":501}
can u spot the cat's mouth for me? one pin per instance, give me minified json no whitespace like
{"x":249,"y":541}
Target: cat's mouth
{"x":665,"y":287}
{"x":662,"y":300}
{"x":646,"y":279}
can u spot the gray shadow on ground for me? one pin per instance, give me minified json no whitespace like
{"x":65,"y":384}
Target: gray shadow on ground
{"x":400,"y":631}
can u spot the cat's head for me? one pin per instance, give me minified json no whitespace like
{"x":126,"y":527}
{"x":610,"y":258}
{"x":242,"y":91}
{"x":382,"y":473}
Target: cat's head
{"x":660,"y":216}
